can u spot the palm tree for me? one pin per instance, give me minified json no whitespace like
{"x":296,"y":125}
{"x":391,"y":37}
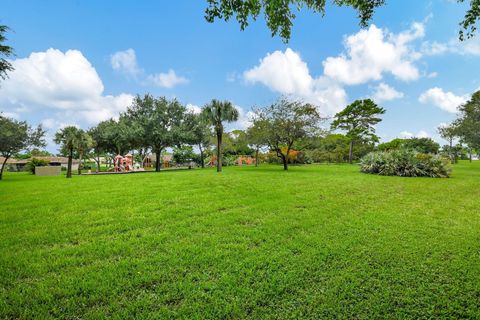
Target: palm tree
{"x":5,"y":51}
{"x":68,"y":138}
{"x":215,"y":113}
{"x":83,"y":144}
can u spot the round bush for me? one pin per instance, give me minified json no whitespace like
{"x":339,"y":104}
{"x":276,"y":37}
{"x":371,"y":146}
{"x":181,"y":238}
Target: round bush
{"x":34,"y":162}
{"x":405,"y":163}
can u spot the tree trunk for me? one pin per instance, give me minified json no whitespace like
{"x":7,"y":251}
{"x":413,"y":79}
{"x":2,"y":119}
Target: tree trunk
{"x":256,"y":157}
{"x":98,"y":164}
{"x":158,"y":165}
{"x":219,"y":151}
{"x":69,"y":165}
{"x":470,"y":154}
{"x":202,"y":163}
{"x":80,"y":164}
{"x":450,"y":153}
{"x":350,"y":153}
{"x":285,"y":162}
{"x":3,"y":167}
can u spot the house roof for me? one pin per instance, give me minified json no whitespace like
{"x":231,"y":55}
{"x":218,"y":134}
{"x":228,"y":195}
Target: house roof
{"x":62,"y":160}
{"x":8,"y":161}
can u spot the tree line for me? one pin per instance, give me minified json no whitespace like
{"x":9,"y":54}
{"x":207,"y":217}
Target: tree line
{"x":290,"y":130}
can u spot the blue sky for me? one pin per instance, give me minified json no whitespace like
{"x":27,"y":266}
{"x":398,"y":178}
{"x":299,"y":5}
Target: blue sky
{"x":80,"y":62}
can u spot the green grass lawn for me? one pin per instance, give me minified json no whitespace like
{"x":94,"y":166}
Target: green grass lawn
{"x":320,"y":241}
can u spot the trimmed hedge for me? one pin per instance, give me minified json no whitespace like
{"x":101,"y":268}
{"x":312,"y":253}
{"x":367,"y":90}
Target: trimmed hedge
{"x":405,"y":163}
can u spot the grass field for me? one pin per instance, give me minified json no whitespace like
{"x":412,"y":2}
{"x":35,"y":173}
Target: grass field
{"x":316,"y":242}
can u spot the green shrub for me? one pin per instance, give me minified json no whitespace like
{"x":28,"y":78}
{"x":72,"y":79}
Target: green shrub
{"x":229,"y":160}
{"x":30,"y":165}
{"x":405,"y":163}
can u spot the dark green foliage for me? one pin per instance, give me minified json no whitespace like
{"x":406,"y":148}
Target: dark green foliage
{"x":335,"y":148}
{"x":32,"y":164}
{"x":405,"y":163}
{"x":470,"y":20}
{"x":449,"y":133}
{"x":279,"y":15}
{"x":284,"y":125}
{"x":68,"y":138}
{"x":394,"y":144}
{"x":358,"y":119}
{"x":240,"y":145}
{"x":235,"y":143}
{"x":34,"y":152}
{"x":17,"y":136}
{"x":184,"y":155}
{"x":158,"y":123}
{"x":216,"y":113}
{"x":199,"y":134}
{"x":468,"y":124}
{"x":256,"y":140}
{"x":5,"y":52}
{"x":422,"y":145}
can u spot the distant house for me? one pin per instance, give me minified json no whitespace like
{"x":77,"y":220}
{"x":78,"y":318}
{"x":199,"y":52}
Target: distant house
{"x":9,"y":162}
{"x":19,"y":165}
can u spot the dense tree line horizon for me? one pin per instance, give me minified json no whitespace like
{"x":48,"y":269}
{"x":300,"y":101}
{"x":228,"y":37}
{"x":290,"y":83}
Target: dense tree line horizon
{"x":285,"y":132}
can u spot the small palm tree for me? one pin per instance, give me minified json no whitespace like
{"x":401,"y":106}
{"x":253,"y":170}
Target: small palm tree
{"x":83,"y":144}
{"x":216,"y":112}
{"x":68,"y":138}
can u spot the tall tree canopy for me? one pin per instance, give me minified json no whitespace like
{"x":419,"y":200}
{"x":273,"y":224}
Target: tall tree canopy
{"x":100,"y":144}
{"x":16,"y":136}
{"x":256,"y":139}
{"x":468,"y":125}
{"x":216,"y":113}
{"x":284,"y":124}
{"x":83,"y":146}
{"x":199,"y":135}
{"x":279,"y":14}
{"x":449,"y":133}
{"x":358,"y":120}
{"x":163,"y":123}
{"x":5,"y":52}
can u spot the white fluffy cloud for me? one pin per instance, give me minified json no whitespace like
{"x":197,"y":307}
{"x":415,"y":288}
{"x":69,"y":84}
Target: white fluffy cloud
{"x":193,"y":108}
{"x":167,"y":80}
{"x":126,"y":62}
{"x":372,"y":52}
{"x":63,"y":81}
{"x":453,"y":46}
{"x":244,"y":119}
{"x":384,"y":92}
{"x":369,"y":54}
{"x":406,"y":134}
{"x":286,"y":73}
{"x":447,"y":101}
{"x":409,"y":135}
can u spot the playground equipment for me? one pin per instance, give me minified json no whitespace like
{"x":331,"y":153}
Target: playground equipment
{"x":125,"y":164}
{"x":248,"y":160}
{"x":147,"y":162}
